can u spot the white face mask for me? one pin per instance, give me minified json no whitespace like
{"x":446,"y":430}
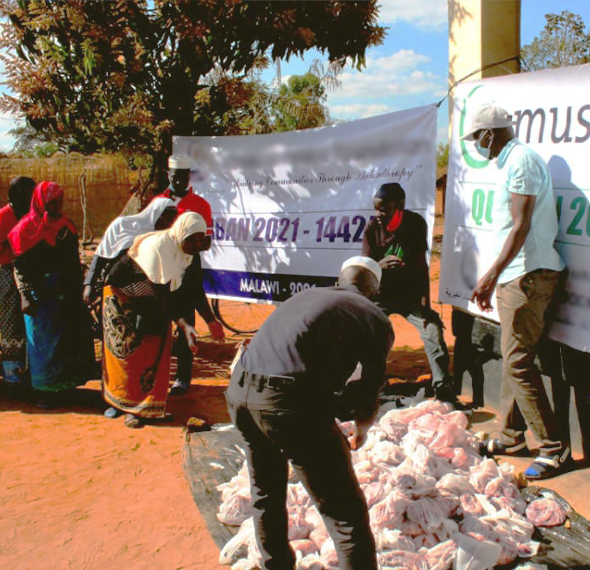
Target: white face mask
{"x":484,"y":150}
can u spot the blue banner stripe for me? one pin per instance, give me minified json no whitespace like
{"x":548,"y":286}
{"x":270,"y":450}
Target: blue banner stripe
{"x":259,"y":286}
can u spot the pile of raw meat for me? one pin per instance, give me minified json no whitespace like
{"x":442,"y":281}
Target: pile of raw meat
{"x":434,"y":502}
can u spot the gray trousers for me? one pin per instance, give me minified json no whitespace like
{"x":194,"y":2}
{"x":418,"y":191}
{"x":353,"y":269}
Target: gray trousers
{"x":430,"y":327}
{"x":297,"y":424}
{"x":522,"y":304}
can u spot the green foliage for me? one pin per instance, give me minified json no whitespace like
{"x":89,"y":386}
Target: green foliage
{"x":128,"y":75}
{"x":301,"y":104}
{"x":562,"y":42}
{"x":442,"y":156}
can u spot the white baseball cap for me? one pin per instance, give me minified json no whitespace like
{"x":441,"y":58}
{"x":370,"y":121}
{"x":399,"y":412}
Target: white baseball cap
{"x":179,"y":162}
{"x":488,"y":117}
{"x":364,"y":262}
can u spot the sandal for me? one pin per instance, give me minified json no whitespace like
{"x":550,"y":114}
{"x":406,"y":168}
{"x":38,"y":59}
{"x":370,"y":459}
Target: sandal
{"x":112,"y":413}
{"x":544,"y":467}
{"x":132,"y":421}
{"x":491,"y":447}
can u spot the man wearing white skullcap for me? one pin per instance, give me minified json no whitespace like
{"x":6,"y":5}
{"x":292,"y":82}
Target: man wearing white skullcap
{"x":281,"y":398}
{"x":187,"y":200}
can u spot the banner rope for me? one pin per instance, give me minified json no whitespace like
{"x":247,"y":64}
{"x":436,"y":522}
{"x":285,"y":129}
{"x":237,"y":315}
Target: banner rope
{"x":490,"y":65}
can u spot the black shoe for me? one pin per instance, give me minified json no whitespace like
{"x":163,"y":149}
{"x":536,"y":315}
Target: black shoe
{"x":179,"y":387}
{"x":446,"y":394}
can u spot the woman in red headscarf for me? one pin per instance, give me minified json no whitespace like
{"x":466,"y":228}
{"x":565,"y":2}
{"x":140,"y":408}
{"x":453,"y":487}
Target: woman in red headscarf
{"x":49,"y":277}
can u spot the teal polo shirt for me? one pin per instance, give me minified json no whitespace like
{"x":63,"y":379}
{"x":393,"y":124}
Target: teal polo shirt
{"x":523,"y":171}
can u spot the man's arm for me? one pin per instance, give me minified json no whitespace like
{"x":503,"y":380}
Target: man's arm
{"x":522,"y":214}
{"x":365,"y":392}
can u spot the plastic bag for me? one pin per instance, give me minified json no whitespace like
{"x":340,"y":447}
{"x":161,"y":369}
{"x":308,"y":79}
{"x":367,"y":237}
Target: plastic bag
{"x":244,"y":536}
{"x":475,"y":554}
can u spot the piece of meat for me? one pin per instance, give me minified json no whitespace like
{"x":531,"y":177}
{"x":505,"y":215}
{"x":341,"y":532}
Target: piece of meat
{"x":426,"y":512}
{"x":545,"y":512}
{"x":471,"y":505}
{"x":394,"y":428}
{"x":386,"y":453}
{"x":375,"y":492}
{"x":449,"y":504}
{"x":482,"y":474}
{"x":299,"y":528}
{"x":328,"y":555}
{"x":477,"y":529}
{"x":528,"y":549}
{"x":236,"y":509}
{"x":516,"y":504}
{"x":388,"y":539}
{"x":453,"y":484}
{"x":389,"y":511}
{"x":442,"y":556}
{"x":310,"y":562}
{"x":304,"y":547}
{"x":411,"y":529}
{"x":500,"y":487}
{"x":347,"y":428}
{"x":241,"y":539}
{"x":508,"y":554}
{"x":297,"y":495}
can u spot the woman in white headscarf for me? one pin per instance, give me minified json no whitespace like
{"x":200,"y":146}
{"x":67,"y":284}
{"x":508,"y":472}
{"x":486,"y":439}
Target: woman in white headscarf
{"x":118,"y":238}
{"x":138,"y":306}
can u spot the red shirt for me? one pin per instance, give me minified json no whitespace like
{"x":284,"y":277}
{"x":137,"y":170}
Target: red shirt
{"x":7,"y":222}
{"x":192,"y":202}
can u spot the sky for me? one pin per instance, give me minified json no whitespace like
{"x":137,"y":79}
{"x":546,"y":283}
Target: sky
{"x":409,"y":69}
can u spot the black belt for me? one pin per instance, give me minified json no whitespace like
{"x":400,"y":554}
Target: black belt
{"x":272,"y":381}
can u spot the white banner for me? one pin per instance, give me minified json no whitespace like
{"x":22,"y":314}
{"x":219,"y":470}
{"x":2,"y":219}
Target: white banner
{"x":552,"y":113}
{"x":289,"y":208}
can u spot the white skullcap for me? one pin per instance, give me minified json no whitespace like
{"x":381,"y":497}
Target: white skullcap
{"x":364,"y":262}
{"x":488,"y":117}
{"x":179,"y":162}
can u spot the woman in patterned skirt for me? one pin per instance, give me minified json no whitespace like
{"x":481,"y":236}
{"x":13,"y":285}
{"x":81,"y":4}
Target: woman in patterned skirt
{"x":48,"y":273}
{"x":140,"y":299}
{"x":13,"y":344}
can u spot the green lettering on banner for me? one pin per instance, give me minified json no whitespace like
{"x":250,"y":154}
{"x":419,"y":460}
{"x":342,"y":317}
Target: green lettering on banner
{"x":482,"y":206}
{"x":473,"y":162}
{"x":578,"y":203}
{"x":478,"y":205}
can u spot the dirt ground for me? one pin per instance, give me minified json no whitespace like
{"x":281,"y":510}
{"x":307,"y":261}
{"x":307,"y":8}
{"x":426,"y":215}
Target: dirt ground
{"x":79,"y":491}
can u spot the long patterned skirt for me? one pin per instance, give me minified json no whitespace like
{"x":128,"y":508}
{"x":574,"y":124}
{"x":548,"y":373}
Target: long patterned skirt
{"x":59,"y":342}
{"x":13,"y":343}
{"x":136,"y":364}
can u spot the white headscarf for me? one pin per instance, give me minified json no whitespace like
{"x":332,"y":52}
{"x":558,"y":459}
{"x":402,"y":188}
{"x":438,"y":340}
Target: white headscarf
{"x":123,"y":230}
{"x":160,"y":254}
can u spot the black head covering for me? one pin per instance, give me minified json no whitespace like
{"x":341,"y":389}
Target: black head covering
{"x":390,"y":192}
{"x":20,"y":192}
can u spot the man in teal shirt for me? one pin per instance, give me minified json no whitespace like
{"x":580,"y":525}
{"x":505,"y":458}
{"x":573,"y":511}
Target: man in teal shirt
{"x":525,"y":273}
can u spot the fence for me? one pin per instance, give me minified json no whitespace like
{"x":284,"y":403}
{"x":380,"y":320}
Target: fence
{"x":106,"y":180}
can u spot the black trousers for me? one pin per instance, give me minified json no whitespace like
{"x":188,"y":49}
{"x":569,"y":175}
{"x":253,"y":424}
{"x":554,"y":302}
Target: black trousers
{"x":296,"y":424}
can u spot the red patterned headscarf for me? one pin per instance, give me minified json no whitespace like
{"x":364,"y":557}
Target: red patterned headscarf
{"x":37,"y":225}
